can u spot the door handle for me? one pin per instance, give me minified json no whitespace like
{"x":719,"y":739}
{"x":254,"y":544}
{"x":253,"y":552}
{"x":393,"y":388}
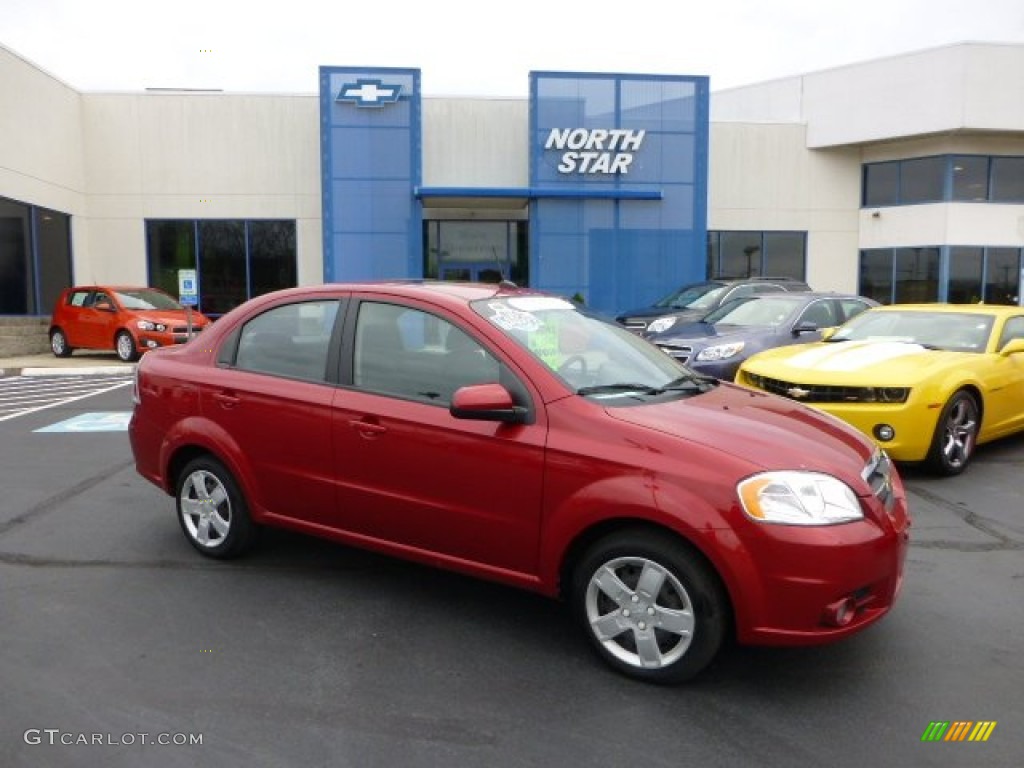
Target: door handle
{"x":366,"y":428}
{"x":226,"y":399}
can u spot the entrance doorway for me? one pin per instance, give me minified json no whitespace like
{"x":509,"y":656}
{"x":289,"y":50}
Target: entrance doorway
{"x":476,"y":251}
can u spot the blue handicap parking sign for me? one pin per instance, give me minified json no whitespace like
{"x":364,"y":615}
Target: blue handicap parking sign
{"x":106,"y":421}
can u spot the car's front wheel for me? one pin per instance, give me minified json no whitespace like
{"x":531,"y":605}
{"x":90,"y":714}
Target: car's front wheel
{"x":125,"y":346}
{"x":956,"y":435}
{"x":59,"y":343}
{"x":651,"y":606}
{"x":212,"y":510}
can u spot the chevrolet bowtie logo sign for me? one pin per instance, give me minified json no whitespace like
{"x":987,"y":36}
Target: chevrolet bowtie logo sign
{"x":369,"y":93}
{"x":797,"y":393}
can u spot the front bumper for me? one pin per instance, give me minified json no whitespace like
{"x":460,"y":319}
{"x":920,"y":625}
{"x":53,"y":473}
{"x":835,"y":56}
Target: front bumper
{"x":815,"y":585}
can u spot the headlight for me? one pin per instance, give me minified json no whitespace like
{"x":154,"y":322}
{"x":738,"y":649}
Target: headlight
{"x":721,"y":352}
{"x":661,"y":324}
{"x":146,"y":325}
{"x":798,"y":498}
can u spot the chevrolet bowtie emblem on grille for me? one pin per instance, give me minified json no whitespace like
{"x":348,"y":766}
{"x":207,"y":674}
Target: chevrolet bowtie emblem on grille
{"x":369,"y":93}
{"x":798,"y":392}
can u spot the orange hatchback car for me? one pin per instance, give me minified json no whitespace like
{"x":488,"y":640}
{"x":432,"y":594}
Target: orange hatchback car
{"x":126,"y":319}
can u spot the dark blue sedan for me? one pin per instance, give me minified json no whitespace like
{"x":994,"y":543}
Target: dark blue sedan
{"x":721,"y":340}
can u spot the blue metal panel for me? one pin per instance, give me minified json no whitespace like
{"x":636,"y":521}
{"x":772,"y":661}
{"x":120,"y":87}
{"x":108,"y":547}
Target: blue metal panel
{"x":598,"y":135}
{"x":371,"y":140}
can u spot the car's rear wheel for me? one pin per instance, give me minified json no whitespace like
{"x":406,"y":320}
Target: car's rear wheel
{"x":650,"y":605}
{"x":956,"y":435}
{"x":59,"y":343}
{"x":125,"y":346}
{"x":212,"y":511}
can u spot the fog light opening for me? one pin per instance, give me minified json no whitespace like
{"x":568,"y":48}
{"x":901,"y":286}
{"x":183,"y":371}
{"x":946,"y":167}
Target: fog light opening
{"x":841,"y":612}
{"x":884,"y":432}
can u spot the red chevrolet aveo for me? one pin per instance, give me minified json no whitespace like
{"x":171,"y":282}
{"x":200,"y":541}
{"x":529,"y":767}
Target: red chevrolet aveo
{"x":510,"y":435}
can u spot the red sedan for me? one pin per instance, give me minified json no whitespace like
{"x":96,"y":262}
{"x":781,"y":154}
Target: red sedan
{"x":512,"y":436}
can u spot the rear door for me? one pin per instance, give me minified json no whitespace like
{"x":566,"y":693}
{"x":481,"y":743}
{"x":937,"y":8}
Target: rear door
{"x":271,"y":395}
{"x":411,"y":474}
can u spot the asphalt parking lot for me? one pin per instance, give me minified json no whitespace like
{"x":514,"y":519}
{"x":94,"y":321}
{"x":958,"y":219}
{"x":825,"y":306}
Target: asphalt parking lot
{"x":118,"y":636}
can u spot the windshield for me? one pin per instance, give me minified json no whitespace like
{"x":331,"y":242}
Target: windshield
{"x":145,"y":298}
{"x":956,"y":331}
{"x":769,"y":311}
{"x":592,"y":356}
{"x":698,"y":296}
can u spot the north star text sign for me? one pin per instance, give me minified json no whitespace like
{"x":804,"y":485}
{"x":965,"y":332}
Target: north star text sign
{"x":595,"y":150}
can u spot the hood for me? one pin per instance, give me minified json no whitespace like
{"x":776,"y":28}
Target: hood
{"x":768,"y":432}
{"x":855,"y":363}
{"x":708,"y":333}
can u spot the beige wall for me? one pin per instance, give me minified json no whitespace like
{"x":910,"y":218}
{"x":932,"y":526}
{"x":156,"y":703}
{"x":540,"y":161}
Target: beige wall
{"x":763,"y":177}
{"x":40,"y":137}
{"x":184,"y":156}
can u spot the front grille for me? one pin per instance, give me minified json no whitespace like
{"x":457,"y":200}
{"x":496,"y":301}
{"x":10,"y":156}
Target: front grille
{"x":184,"y":329}
{"x":878,"y":475}
{"x":680,"y":353}
{"x":823,"y":393}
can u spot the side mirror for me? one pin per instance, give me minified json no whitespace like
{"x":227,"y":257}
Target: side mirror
{"x":103,"y":306}
{"x":805,"y":326}
{"x":486,"y":402}
{"x":1012,"y":347}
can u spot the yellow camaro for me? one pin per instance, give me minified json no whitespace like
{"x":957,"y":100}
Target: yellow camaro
{"x":928,"y":382}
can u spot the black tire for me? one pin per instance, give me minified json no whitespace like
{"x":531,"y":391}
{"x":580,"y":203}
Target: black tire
{"x":212,"y":510}
{"x":124,"y":345}
{"x":59,"y":344}
{"x":667,"y":637}
{"x":956,"y":435}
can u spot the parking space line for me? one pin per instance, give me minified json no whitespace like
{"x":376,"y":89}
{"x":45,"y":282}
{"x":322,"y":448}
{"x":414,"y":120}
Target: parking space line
{"x":66,"y":400}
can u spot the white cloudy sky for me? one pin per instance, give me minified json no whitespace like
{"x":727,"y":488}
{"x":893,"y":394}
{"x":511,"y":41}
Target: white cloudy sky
{"x":476,"y":47}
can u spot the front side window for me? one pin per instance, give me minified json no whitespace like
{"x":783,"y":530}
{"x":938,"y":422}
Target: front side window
{"x":292,"y":341}
{"x":408,"y":353}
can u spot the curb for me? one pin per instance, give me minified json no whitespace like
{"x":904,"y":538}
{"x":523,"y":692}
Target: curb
{"x":79,"y":371}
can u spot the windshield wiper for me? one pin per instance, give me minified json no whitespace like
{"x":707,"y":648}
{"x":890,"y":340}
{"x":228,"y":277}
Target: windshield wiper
{"x":599,"y":389}
{"x":690,"y":383}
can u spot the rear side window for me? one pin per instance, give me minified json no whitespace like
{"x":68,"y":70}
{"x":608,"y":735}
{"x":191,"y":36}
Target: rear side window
{"x":78,"y":298}
{"x":291,"y":340}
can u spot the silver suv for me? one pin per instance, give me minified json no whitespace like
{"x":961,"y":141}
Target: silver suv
{"x":693,"y":301}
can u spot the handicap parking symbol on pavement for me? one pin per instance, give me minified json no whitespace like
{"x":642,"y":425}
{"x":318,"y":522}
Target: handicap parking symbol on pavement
{"x":106,"y":421}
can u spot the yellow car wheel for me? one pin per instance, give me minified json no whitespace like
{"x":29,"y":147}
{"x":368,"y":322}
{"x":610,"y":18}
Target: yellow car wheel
{"x":956,"y":435}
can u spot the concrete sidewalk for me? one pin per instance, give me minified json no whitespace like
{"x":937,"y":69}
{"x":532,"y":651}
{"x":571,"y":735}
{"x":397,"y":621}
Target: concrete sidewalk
{"x":80,"y":363}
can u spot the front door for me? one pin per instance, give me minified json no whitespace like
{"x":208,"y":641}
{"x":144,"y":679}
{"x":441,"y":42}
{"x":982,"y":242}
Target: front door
{"x":412,"y":474}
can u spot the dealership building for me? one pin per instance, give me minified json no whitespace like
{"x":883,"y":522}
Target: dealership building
{"x":901,"y":178}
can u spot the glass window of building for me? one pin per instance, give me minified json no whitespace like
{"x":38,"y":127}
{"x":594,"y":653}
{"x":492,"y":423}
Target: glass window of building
{"x":1008,"y":179}
{"x":970,"y":178}
{"x":881,"y":184}
{"x":17,"y":287}
{"x":748,"y":254}
{"x":1003,"y":276}
{"x":966,"y":269}
{"x":876,"y":274}
{"x":35,"y":257}
{"x":922,"y":180}
{"x":916,"y":275}
{"x":235,"y":260}
{"x":785,"y":254}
